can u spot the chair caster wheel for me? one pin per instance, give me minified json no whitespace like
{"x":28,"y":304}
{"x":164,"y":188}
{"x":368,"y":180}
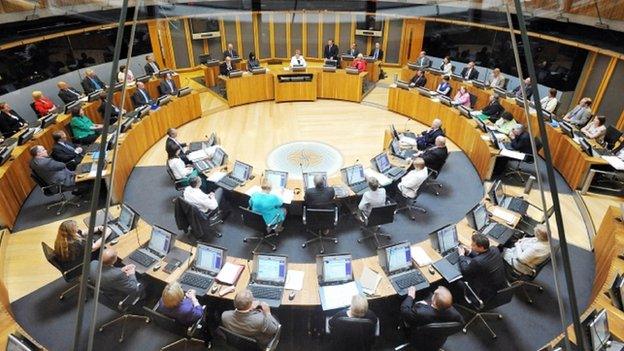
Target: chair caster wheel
{"x":336,"y":241}
{"x":61,"y":297}
{"x":540,"y":289}
{"x":359,"y":240}
{"x":530,"y":301}
{"x":100,"y":329}
{"x":303,"y":245}
{"x":244,"y":240}
{"x":274,"y":248}
{"x":219,"y":235}
{"x":500,"y":316}
{"x":464,"y":331}
{"x":120,"y":340}
{"x":322,"y":252}
{"x":147,"y":320}
{"x":494,"y":337}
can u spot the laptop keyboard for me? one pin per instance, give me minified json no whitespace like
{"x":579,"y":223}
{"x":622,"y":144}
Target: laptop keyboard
{"x":496,"y":231}
{"x":196,"y":280}
{"x":395,"y":171}
{"x":359,"y":187}
{"x":142,"y":258}
{"x":202,"y":165}
{"x":9,"y":142}
{"x":408,"y":279}
{"x":265,"y":292}
{"x":228,"y":182}
{"x":83,"y":168}
{"x":517,"y":205}
{"x":507,"y":145}
{"x":452,"y":257}
{"x":601,"y":152}
{"x":196,"y":145}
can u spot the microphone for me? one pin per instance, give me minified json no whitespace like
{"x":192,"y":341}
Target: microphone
{"x":407,"y":119}
{"x":251,"y":277}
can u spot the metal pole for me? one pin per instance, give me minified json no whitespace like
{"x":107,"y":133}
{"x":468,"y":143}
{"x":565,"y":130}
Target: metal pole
{"x":96,"y":185}
{"x":554,"y":193}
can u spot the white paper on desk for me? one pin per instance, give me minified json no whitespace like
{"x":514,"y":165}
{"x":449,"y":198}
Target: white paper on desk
{"x":338,"y":296}
{"x":491,"y":127}
{"x":615,"y":162}
{"x":512,"y":154}
{"x":407,"y":140}
{"x":294,"y":280}
{"x":506,"y":216}
{"x":485,"y":137}
{"x":216,"y":176}
{"x":382,"y":178}
{"x":286,"y":195}
{"x":475,"y":113}
{"x":420,"y":256}
{"x":197,"y":155}
{"x":369,"y":280}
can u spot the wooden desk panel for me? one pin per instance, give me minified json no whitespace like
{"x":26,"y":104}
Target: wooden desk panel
{"x":373,"y":69}
{"x":210,"y":75}
{"x":295,"y":91}
{"x":249,"y":88}
{"x":340,"y":85}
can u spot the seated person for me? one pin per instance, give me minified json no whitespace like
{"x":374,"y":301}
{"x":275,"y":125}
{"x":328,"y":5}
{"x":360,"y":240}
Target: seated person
{"x":435,"y":156}
{"x":168,"y":86}
{"x":493,"y":109}
{"x":181,"y":171}
{"x":446,"y":67}
{"x":437,"y":309}
{"x":141,"y":96}
{"x":183,"y":308}
{"x":353,"y":51}
{"x":470,"y":72}
{"x":65,"y":151}
{"x":268,"y":205}
{"x":51,"y":171}
{"x":10,"y":121}
{"x":374,"y":197}
{"x":320,"y":196}
{"x":298,"y":60}
{"x":423,"y":60}
{"x":359,"y":63}
{"x":42,"y":104}
{"x":529,"y":89}
{"x":529,"y":252}
{"x":226,"y":67}
{"x":92,"y":82}
{"x":496,"y":79}
{"x":69,"y":245}
{"x":409,"y":184}
{"x":549,"y":102}
{"x":67,"y":93}
{"x":505,"y":123}
{"x":83,"y":129}
{"x":419,"y":80}
{"x":252,"y":62}
{"x":462,"y":97}
{"x":428,"y":137}
{"x":520,"y":139}
{"x":251,"y":318}
{"x":376,"y":53}
{"x":444,"y":88}
{"x":230,"y":52}
{"x":122,"y":73}
{"x":580,"y":114}
{"x":482,"y":267}
{"x":151,"y":67}
{"x":358,"y":309}
{"x":595,"y":129}
{"x":116,"y":283}
{"x":115,"y":111}
{"x":194,"y":195}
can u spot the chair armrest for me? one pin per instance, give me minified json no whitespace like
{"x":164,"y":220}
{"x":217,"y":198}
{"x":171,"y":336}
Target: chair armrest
{"x":55,"y":188}
{"x":522,"y":274}
{"x":471,"y":297}
{"x":432,"y":171}
{"x":130,"y":300}
{"x":335,"y":216}
{"x":275,"y":341}
{"x":75,"y":268}
{"x":190,"y":331}
{"x":303,"y":217}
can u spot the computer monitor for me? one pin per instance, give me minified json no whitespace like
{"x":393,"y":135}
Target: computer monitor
{"x":94,"y":95}
{"x":126,"y":217}
{"x":163,"y":100}
{"x":25,"y":136}
{"x":478,"y":217}
{"x":445,"y":239}
{"x":308,"y":179}
{"x":219,"y":157}
{"x":160,"y":241}
{"x":395,"y":148}
{"x":277,"y":178}
{"x":616,"y":292}
{"x":499,"y":194}
{"x":209,"y":258}
{"x":143,"y":79}
{"x":335,"y":268}
{"x":184,"y":91}
{"x":464,"y":111}
{"x":566,"y":129}
{"x":354,"y":174}
{"x":395,"y":134}
{"x":71,"y":105}
{"x":598,"y":330}
{"x":586,"y":147}
{"x":396,"y":257}
{"x":48,"y":120}
{"x":493,"y":139}
{"x":481,"y":125}
{"x":241,"y":170}
{"x":382,"y":162}
{"x":270,"y":268}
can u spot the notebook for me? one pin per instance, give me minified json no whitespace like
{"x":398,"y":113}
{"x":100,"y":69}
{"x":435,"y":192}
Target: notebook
{"x":230,"y":273}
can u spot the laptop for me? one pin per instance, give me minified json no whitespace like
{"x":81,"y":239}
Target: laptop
{"x":445,"y":241}
{"x":479,"y":220}
{"x":511,"y":203}
{"x":409,"y":135}
{"x":268,"y":278}
{"x":208,"y":262}
{"x":120,"y":225}
{"x":396,"y":150}
{"x":335,"y":279}
{"x":396,"y":261}
{"x":218,"y":159}
{"x":278,"y":179}
{"x":355,"y":179}
{"x":159,"y":245}
{"x":308,"y":179}
{"x":198,"y":145}
{"x":239,"y":175}
{"x":382,"y":164}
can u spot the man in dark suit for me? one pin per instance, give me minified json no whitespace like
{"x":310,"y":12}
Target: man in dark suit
{"x":470,"y":72}
{"x":226,"y":67}
{"x":172,"y":145}
{"x":168,"y":86}
{"x":527,"y":85}
{"x":330,"y":52}
{"x":67,"y":93}
{"x":115,"y":111}
{"x":436,"y":156}
{"x":376,"y":52}
{"x":520,"y":139}
{"x":482,"y":267}
{"x":423,"y":60}
{"x":230,"y":52}
{"x":92,"y":82}
{"x":10,"y":121}
{"x":321,"y":196}
{"x":419,"y":80}
{"x":493,"y":108}
{"x":116,"y":283}
{"x":428,"y":137}
{"x":141,"y":96}
{"x":353,"y":51}
{"x":51,"y":171}
{"x":151,"y":67}
{"x":65,"y":151}
{"x":438,"y":309}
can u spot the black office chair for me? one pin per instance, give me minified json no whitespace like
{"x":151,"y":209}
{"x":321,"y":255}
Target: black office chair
{"x":473,"y":100}
{"x":318,"y":220}
{"x":190,"y":219}
{"x":527,"y":224}
{"x":179,"y":184}
{"x":255,"y":221}
{"x":70,"y":275}
{"x":244,"y":343}
{"x":124,"y":307}
{"x":409,"y":204}
{"x":479,"y":308}
{"x":611,"y":137}
{"x":378,"y":216}
{"x":348,"y":333}
{"x":523,"y":280}
{"x":50,"y":190}
{"x":170,"y":325}
{"x":529,"y":160}
{"x":431,"y":181}
{"x":431,"y":337}
{"x":32,"y":106}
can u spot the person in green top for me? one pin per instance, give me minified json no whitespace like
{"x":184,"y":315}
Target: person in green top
{"x":84,"y":131}
{"x":505,"y":123}
{"x":268,"y":205}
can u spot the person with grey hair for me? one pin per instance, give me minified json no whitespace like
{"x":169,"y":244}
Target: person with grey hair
{"x":251,"y":318}
{"x":320,"y":196}
{"x":51,"y":171}
{"x":580,"y":114}
{"x":358,"y":309}
{"x":520,"y":139}
{"x":529,"y":252}
{"x":374,"y":197}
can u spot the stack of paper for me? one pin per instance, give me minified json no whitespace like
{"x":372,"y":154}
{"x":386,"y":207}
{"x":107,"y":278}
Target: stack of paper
{"x":337,"y":296}
{"x":420,"y":256}
{"x":615,"y":162}
{"x":512,"y":154}
{"x":197,"y":155}
{"x":505,"y":215}
{"x":369,"y":280}
{"x":216,"y":176}
{"x":294,"y":280}
{"x":382,"y":178}
{"x":229,"y":273}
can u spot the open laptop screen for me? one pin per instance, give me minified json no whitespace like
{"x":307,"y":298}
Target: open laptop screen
{"x":355,"y":174}
{"x":271,"y":268}
{"x":480,"y":216}
{"x":382,"y":162}
{"x":447,"y":238}
{"x":308,"y":179}
{"x":277,"y":178}
{"x":218,"y":156}
{"x":498,"y":192}
{"x":160,"y":241}
{"x":209,"y":258}
{"x":399,"y":257}
{"x":337,"y":268}
{"x":241,"y":170}
{"x":126,"y":218}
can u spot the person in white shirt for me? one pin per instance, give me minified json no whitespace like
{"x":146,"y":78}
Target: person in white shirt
{"x":180,"y":170}
{"x":527,"y":253}
{"x":447,"y":66}
{"x":496,"y":79}
{"x":549,"y":103}
{"x":197,"y":197}
{"x":595,"y":129}
{"x":122,"y":73}
{"x":413,"y":179}
{"x":298,"y":60}
{"x":375,"y":197}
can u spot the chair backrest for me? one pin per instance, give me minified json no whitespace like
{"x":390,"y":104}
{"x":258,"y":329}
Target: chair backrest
{"x":166,"y":323}
{"x":320,"y":218}
{"x":48,"y":189}
{"x":612,"y":136}
{"x":48,"y":252}
{"x":502,"y":297}
{"x":160,"y":92}
{"x":353,"y":334}
{"x":239,"y":342}
{"x":253,"y":220}
{"x":381,"y":215}
{"x":432,"y":336}
{"x":38,"y":180}
{"x":538,"y":146}
{"x":32,"y":106}
{"x":473,"y":100}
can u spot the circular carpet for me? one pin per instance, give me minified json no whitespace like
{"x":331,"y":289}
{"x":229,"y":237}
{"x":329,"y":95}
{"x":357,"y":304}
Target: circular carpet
{"x":305,"y":156}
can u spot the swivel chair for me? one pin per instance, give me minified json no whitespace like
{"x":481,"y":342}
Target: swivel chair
{"x":179,"y":184}
{"x":255,"y":221}
{"x":529,"y":160}
{"x":524,"y":280}
{"x":189,"y":218}
{"x":50,"y":190}
{"x":527,"y":224}
{"x":432,"y":336}
{"x":409,"y":204}
{"x":378,"y":216}
{"x":318,"y":220}
{"x":170,"y":325}
{"x":124,"y":307}
{"x":348,"y":333}
{"x":473,"y":100}
{"x":431,"y":182}
{"x":244,"y":343}
{"x":70,"y":275}
{"x":611,"y":137}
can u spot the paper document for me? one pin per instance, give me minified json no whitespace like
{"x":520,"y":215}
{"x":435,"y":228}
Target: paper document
{"x":294,"y":280}
{"x":506,"y":216}
{"x":337,"y":296}
{"x":382,"y":178}
{"x":485,"y":137}
{"x":197,"y":155}
{"x":491,"y":127}
{"x":475,"y":113}
{"x":512,"y":154}
{"x":229,"y":273}
{"x":407,"y":140}
{"x":615,"y":162}
{"x":420,"y":256}
{"x":286,"y":195}
{"x":216,"y":176}
{"x":369,"y":281}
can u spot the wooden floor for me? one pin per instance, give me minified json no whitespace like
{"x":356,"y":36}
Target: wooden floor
{"x":249,"y":133}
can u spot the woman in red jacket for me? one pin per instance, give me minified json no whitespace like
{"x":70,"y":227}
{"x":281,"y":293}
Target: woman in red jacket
{"x":43,"y":105}
{"x":359,"y":63}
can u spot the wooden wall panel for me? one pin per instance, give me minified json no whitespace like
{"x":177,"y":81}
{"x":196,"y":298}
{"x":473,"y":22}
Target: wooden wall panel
{"x":312,"y":33}
{"x":247,"y":37}
{"x":609,"y":9}
{"x":264,"y":39}
{"x":279,"y":30}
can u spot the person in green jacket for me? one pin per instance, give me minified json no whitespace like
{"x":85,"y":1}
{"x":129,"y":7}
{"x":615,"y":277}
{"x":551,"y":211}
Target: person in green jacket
{"x":268,"y":205}
{"x":84,"y":131}
{"x":505,"y":123}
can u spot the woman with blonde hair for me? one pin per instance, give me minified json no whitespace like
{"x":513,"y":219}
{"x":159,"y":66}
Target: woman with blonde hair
{"x":70,"y":242}
{"x":42,"y":104}
{"x":183,"y":308}
{"x":268,"y":205}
